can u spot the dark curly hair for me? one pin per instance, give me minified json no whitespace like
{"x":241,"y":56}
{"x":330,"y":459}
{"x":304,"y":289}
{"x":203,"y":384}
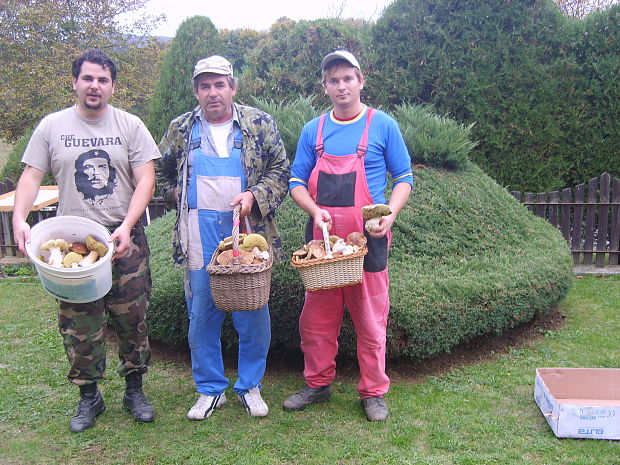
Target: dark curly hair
{"x":94,"y":56}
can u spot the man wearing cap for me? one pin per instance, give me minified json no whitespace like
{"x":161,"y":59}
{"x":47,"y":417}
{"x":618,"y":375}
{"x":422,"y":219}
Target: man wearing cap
{"x":341,"y":165}
{"x":214,"y":157}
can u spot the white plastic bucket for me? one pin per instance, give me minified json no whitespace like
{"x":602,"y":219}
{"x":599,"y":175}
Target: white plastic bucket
{"x":77,"y":285}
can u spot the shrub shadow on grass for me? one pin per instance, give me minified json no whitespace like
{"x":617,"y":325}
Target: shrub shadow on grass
{"x":477,"y":350}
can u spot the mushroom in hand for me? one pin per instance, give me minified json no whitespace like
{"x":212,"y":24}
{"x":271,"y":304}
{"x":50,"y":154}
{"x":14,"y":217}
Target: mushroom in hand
{"x":373,"y":213}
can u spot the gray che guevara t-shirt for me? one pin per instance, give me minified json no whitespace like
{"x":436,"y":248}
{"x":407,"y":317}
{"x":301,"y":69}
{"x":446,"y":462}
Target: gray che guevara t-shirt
{"x":92,"y":160}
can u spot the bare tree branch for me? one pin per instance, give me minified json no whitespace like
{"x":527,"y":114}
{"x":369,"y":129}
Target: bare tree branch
{"x":581,"y":8}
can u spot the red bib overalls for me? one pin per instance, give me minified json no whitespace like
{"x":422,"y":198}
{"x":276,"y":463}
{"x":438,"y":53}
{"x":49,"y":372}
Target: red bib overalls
{"x":338,"y":184}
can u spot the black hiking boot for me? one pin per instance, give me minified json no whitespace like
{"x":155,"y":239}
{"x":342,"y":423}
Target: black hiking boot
{"x":135,"y":400}
{"x":90,"y":405}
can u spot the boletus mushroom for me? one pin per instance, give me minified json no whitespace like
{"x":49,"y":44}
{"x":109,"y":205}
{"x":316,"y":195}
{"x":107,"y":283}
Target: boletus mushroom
{"x":373,"y":213}
{"x":57,"y":249}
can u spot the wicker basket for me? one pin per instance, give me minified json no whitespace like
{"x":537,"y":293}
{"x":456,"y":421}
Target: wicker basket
{"x":330,"y":273}
{"x":239,"y":287}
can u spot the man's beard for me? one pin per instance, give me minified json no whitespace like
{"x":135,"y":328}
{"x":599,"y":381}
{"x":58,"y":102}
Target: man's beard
{"x":92,"y":107}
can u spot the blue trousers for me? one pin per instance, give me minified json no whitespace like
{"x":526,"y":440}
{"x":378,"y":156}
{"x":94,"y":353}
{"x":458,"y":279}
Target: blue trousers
{"x":205,"y":329}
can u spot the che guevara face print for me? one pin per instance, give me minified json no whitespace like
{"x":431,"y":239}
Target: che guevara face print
{"x":95,"y":176}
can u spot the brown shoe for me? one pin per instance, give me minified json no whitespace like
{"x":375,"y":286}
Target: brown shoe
{"x":300,"y":400}
{"x":375,"y":408}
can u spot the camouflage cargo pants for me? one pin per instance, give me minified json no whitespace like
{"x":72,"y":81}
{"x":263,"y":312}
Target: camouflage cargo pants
{"x":84,"y":326}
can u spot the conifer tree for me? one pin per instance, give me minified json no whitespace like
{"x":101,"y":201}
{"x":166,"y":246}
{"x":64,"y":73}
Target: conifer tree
{"x":195,"y":38}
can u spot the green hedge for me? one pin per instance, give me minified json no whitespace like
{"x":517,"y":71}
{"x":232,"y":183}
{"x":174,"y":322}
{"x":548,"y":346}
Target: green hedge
{"x":538,"y":89}
{"x":541,"y":88}
{"x":167,"y":313}
{"x":466,"y":260}
{"x":287,"y":63}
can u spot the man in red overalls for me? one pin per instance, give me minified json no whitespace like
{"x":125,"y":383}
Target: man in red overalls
{"x":341,"y":165}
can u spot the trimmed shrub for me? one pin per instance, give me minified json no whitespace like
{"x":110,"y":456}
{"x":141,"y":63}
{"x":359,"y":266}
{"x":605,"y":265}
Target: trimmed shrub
{"x":466,"y":260}
{"x":290,"y":118}
{"x":167,"y":313}
{"x":434,"y":140}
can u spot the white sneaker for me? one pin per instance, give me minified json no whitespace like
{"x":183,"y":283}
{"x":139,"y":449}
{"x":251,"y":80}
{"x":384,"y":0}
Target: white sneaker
{"x":204,"y":406}
{"x":254,"y":403}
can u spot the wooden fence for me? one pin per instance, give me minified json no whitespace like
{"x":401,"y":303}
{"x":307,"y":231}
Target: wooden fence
{"x":9,"y":249}
{"x":6,"y":233}
{"x":588,"y":216}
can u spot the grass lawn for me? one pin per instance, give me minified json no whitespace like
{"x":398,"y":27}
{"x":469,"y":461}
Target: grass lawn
{"x":478,"y":414}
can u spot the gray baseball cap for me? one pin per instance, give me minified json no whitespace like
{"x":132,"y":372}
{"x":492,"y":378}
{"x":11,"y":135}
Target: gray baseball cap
{"x":340,"y":55}
{"x":213,"y":64}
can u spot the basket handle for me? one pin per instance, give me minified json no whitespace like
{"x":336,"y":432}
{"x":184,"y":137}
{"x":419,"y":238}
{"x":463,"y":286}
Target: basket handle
{"x":328,"y":251}
{"x":248,"y":225}
{"x":235,"y":233}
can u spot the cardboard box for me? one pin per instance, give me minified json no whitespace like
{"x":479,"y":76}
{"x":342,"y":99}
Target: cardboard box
{"x":580,"y":402}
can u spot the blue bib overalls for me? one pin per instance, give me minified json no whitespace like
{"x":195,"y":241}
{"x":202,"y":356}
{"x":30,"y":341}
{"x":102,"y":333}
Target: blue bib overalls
{"x":213,"y":183}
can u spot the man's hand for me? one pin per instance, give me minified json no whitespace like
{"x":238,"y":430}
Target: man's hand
{"x":120,"y":239}
{"x":21,"y":233}
{"x":246,"y":201}
{"x":322,"y":217}
{"x":399,"y":197}
{"x":25,"y":194}
{"x":383,"y":227}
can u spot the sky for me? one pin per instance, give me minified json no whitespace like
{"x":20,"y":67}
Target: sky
{"x":259,"y":15}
